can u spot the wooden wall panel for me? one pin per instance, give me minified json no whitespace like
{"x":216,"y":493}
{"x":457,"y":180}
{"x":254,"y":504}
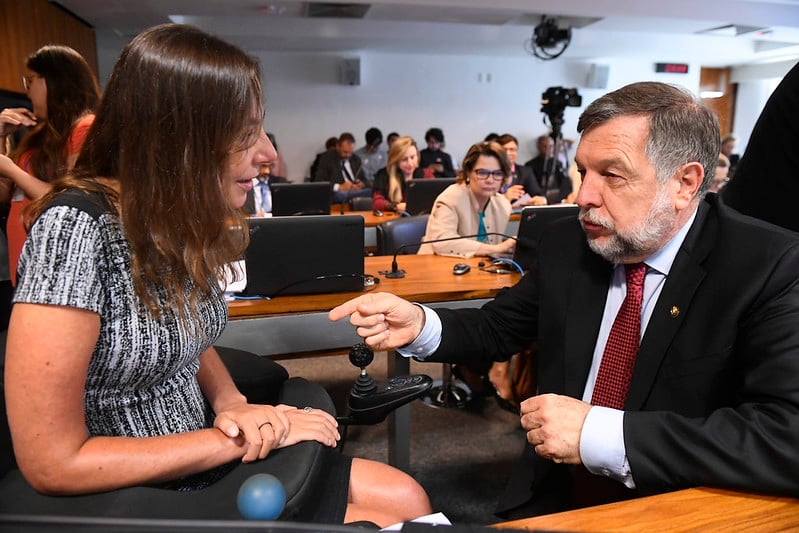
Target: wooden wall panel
{"x":718,"y":79}
{"x":27,"y":25}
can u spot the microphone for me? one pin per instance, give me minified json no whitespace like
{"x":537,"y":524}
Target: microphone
{"x":395,"y":272}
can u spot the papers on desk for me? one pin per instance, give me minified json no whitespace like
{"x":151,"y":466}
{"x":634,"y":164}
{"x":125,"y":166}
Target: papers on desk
{"x":435,"y":519}
{"x":231,"y":283}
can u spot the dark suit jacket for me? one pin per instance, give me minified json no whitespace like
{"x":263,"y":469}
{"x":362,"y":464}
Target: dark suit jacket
{"x":766,"y":183}
{"x":714,"y":395}
{"x":562,"y":185}
{"x":428,"y":157}
{"x":249,"y":202}
{"x":330,"y":169}
{"x":525,"y":178}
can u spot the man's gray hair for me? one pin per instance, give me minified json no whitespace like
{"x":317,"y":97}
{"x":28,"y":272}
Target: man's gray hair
{"x":681,"y":129}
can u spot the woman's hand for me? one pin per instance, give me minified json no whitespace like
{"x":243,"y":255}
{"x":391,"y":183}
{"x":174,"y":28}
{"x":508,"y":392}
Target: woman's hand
{"x":514,"y":192}
{"x":12,"y":118}
{"x":503,"y":249}
{"x":258,"y":428}
{"x":309,"y":424}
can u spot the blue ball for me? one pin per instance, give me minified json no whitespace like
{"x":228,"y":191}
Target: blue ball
{"x":261,"y":497}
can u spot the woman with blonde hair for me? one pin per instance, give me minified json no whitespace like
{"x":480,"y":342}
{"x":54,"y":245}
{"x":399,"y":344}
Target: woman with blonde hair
{"x":391,"y":182}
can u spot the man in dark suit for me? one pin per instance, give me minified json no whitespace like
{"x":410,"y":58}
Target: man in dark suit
{"x":666,"y":322}
{"x":259,"y":198}
{"x":522,"y":189}
{"x":342,"y":168}
{"x":550,"y":172}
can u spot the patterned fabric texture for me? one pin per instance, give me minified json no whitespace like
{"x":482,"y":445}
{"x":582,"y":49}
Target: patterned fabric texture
{"x":618,"y":360}
{"x":141,"y":379}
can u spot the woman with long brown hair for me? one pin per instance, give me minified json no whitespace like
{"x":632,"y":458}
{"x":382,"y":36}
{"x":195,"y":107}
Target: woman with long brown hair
{"x":63,"y":93}
{"x":110,"y":347}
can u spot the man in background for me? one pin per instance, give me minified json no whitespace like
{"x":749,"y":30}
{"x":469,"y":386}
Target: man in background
{"x":372,"y":155}
{"x":343,"y":169}
{"x":433,"y":159}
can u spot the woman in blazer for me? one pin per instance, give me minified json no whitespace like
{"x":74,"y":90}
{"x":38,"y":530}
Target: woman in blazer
{"x":473,"y":206}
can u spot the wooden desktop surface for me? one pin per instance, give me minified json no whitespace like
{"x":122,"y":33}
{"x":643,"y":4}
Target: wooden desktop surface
{"x":697,"y":509}
{"x":371,"y":220}
{"x":428,"y":278}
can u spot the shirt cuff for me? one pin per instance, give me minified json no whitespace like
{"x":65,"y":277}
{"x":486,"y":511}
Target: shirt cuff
{"x":602,"y":449}
{"x":428,"y":340}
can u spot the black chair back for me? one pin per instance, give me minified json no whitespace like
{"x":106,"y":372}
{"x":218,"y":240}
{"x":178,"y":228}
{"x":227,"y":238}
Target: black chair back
{"x":361,"y":203}
{"x":406,"y":232}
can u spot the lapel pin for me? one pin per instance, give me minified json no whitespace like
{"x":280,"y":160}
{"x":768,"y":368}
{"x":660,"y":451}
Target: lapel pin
{"x":674,"y":312}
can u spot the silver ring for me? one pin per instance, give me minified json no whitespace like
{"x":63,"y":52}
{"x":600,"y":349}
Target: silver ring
{"x":267,"y":423}
{"x":307,"y":409}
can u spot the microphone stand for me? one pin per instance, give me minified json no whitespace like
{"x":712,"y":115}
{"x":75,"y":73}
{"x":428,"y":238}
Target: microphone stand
{"x":396,"y":273}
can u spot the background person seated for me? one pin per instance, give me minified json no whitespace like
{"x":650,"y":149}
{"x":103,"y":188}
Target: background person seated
{"x":373,"y":156}
{"x":343,"y":169}
{"x":550,"y":172}
{"x":473,"y":206}
{"x":259,"y":198}
{"x":433,"y":159}
{"x":720,"y":178}
{"x":391,"y":182}
{"x":521,"y":187}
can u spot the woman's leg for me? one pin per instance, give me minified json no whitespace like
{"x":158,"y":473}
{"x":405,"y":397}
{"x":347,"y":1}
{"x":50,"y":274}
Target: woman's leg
{"x":383,"y":495}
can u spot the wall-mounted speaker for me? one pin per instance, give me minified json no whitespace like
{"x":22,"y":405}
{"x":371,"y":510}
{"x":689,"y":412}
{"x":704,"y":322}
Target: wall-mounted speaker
{"x":597,"y":76}
{"x":350,"y":71}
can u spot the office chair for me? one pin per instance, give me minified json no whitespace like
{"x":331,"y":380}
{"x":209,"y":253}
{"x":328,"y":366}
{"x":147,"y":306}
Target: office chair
{"x":405,"y":233}
{"x":297,"y":466}
{"x":361,"y":203}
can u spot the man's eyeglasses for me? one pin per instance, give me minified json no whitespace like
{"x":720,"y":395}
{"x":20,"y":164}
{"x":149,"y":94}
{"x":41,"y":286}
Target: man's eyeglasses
{"x":27,"y":80}
{"x":483,"y":174}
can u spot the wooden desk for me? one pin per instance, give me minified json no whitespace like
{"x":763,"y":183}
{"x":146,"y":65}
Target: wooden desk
{"x":297,"y":326}
{"x":371,"y":221}
{"x":698,"y":509}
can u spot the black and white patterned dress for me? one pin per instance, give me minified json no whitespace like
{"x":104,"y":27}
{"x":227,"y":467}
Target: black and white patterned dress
{"x":141,"y":380}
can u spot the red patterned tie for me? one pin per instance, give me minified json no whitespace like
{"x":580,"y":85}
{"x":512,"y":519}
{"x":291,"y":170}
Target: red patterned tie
{"x":621,"y":349}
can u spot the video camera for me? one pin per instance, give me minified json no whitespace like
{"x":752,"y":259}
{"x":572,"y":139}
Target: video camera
{"x":556,"y":99}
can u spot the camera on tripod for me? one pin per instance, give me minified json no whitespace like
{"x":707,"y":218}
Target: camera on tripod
{"x":556,"y":99}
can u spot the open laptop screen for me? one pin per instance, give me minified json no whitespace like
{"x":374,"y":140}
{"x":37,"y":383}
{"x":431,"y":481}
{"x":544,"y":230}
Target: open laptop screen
{"x":300,"y":198}
{"x":422,"y":194}
{"x":305,"y":255}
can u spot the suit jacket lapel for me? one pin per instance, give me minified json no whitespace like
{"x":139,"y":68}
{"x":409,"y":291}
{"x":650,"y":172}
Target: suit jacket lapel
{"x":588,"y":292}
{"x":671,"y":308}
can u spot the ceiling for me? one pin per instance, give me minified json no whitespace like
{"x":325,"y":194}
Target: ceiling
{"x":745,"y":31}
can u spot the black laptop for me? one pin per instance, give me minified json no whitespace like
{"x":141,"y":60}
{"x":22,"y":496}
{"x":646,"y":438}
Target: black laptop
{"x":300,"y":198}
{"x":422,"y":194}
{"x":304,"y":255}
{"x":533,"y":222}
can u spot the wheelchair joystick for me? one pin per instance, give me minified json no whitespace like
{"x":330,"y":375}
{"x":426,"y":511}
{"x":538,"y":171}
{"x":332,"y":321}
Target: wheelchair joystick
{"x":361,"y":355}
{"x":369,"y":401}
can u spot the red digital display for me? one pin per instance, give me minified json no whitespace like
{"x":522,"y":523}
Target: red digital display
{"x":672,"y":68}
